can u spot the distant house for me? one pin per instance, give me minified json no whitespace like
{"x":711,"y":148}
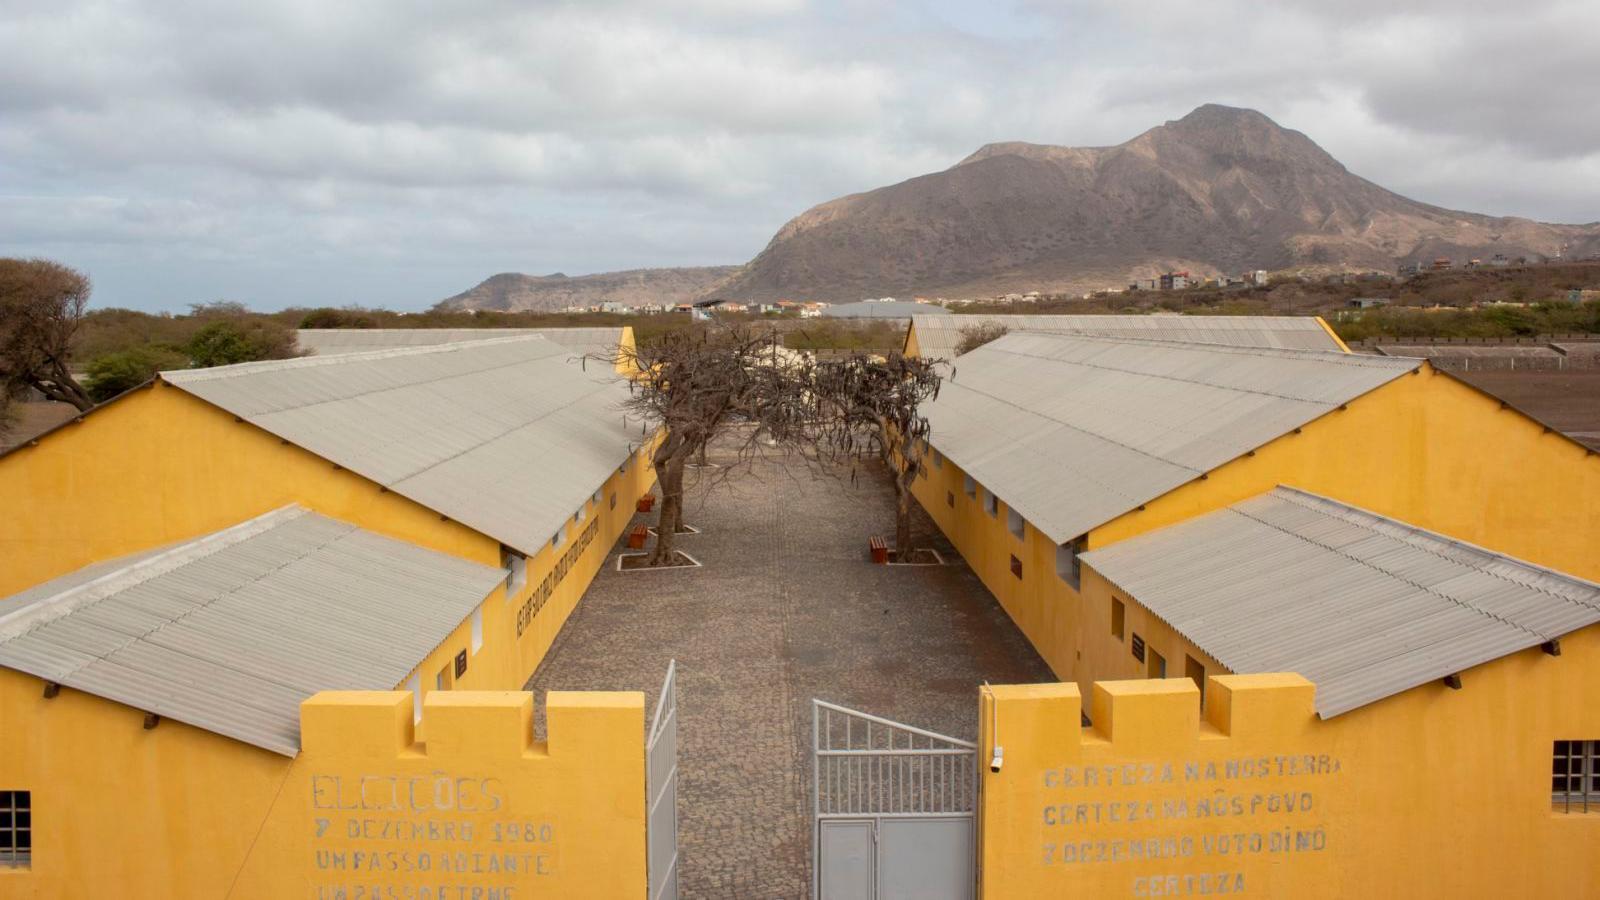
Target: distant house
{"x":1367,"y":302}
{"x":1409,"y":269}
{"x":1174,"y":281}
{"x":1440,"y":263}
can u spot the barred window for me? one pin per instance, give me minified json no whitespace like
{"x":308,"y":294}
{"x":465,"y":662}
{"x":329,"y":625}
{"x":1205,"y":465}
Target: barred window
{"x":991,"y":504}
{"x":1015,"y":524}
{"x":970,"y":485}
{"x":1067,"y":566}
{"x":16,"y":829}
{"x":1575,"y":776}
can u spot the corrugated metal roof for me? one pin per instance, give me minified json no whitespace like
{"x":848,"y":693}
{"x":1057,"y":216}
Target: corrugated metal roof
{"x":230,"y":632}
{"x":508,"y":436}
{"x":872,"y":309}
{"x":1073,"y":431}
{"x":331,"y":341}
{"x":937,"y":336}
{"x":1361,"y":604}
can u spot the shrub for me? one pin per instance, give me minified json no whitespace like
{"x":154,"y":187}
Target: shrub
{"x":113,"y":373}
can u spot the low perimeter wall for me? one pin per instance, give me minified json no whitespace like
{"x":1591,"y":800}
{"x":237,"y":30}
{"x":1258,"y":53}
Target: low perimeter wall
{"x":1259,"y":798}
{"x":480,"y":812}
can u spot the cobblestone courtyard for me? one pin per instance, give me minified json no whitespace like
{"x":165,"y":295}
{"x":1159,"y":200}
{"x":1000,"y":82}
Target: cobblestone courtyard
{"x":786,"y":608}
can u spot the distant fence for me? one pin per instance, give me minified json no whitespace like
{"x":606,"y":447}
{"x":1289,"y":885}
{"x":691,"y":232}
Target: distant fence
{"x":1545,"y":353}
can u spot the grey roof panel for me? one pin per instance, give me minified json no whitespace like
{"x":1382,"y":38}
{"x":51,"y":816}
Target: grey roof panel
{"x":334,"y":341}
{"x":1361,"y":604}
{"x":1073,"y":431}
{"x":229,"y":632}
{"x":873,"y":309}
{"x":509,"y":436}
{"x":938,"y":336}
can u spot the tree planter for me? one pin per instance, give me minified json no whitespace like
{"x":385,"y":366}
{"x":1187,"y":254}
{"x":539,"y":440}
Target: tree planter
{"x":922,"y":557}
{"x":635,"y":562}
{"x":682,"y":529}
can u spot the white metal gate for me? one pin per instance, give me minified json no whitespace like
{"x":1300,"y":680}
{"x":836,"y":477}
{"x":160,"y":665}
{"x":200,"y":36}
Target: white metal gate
{"x":661,"y":761}
{"x":894,"y":809}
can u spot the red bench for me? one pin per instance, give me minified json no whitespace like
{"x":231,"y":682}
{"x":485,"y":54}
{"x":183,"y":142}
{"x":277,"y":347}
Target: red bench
{"x":647,"y":502}
{"x":880,"y":550}
{"x":637,"y":537}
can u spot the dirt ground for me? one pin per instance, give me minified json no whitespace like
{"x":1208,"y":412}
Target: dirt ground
{"x":1568,"y":401}
{"x":32,"y":419}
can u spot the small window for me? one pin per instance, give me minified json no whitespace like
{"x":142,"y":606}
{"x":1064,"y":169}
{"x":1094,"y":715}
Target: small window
{"x":1138,"y":647}
{"x":971,"y":486}
{"x":1016,"y":567}
{"x":991,"y":504}
{"x":1575,"y":776}
{"x":516,"y":566}
{"x":581,"y":514}
{"x":1196,"y":671}
{"x":950,"y":499}
{"x":613,"y":501}
{"x":477,"y":629}
{"x":938,"y":460}
{"x":1015,"y":524}
{"x":560,"y":537}
{"x":16,"y":829}
{"x":597,"y":495}
{"x":1158,"y":665}
{"x":1118,"y":616}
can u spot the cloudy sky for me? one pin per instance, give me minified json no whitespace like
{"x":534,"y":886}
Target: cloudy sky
{"x":393,"y":152}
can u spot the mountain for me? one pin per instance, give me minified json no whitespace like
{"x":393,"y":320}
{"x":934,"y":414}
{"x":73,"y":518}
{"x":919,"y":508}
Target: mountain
{"x":1222,"y":189}
{"x":513,"y":292}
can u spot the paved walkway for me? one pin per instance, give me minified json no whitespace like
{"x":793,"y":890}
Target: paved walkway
{"x":786,"y":608}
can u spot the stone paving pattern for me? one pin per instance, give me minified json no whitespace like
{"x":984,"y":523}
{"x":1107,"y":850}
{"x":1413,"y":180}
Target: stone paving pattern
{"x":786,"y":608}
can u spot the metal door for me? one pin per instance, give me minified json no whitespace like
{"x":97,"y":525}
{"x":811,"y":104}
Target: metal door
{"x":893,"y":808}
{"x":661,"y":795}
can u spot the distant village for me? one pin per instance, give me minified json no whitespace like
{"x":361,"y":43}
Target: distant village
{"x":892,"y":307}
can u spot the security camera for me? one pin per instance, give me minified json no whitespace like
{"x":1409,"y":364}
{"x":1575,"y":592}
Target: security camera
{"x":998,"y":759}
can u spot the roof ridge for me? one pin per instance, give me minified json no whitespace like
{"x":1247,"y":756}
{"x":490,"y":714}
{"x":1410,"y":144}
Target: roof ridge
{"x":305,"y":362}
{"x":48,"y":609}
{"x":1380,"y":569}
{"x":1357,"y":360}
{"x":1350,"y":513}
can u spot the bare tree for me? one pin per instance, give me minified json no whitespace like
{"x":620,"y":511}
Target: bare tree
{"x":872,"y":405}
{"x":693,"y":384}
{"x":41,"y":306}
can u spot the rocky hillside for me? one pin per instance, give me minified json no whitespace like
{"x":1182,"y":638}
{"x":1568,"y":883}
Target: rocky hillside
{"x":1221,"y":189}
{"x":512,"y":292}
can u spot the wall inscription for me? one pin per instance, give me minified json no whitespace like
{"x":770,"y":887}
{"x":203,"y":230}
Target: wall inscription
{"x":1186,"y":827}
{"x":434,"y":836}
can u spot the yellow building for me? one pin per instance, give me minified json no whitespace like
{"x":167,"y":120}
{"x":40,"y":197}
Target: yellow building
{"x":1046,"y":446}
{"x":939,"y":336}
{"x":199,"y":558}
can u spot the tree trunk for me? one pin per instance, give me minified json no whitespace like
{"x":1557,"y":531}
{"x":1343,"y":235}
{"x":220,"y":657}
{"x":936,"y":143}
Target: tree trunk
{"x":677,"y":511}
{"x":902,"y":523}
{"x":62,"y":388}
{"x":669,"y":474}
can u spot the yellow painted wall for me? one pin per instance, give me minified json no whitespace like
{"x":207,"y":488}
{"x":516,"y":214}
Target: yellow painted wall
{"x":1044,"y":606}
{"x":1109,"y":658}
{"x":1425,"y":449}
{"x":118,"y":810}
{"x":178,"y":812}
{"x":159,"y":466}
{"x":1433,"y":793}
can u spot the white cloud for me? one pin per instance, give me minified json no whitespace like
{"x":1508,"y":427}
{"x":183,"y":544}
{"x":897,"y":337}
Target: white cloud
{"x":402,"y":149}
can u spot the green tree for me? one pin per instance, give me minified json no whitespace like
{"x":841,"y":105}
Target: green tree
{"x":231,"y":340}
{"x":124,"y":370}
